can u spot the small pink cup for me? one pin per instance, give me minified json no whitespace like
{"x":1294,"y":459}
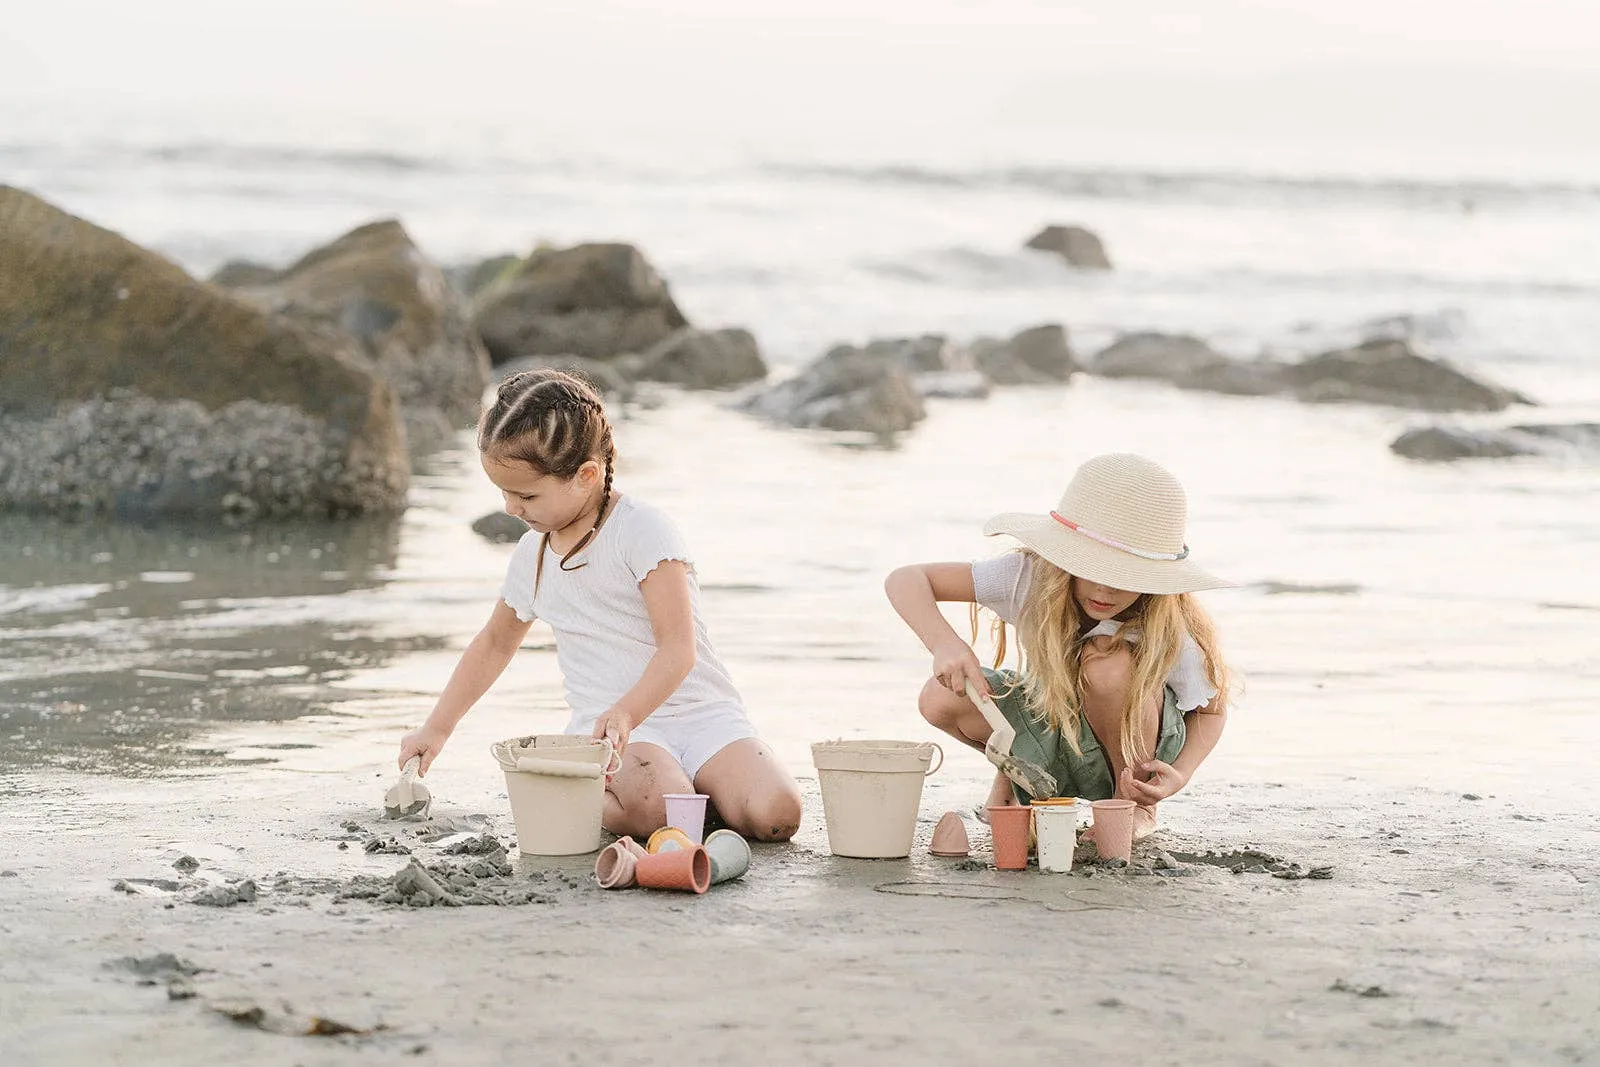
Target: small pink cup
{"x":687,"y":812}
{"x":1113,"y":829}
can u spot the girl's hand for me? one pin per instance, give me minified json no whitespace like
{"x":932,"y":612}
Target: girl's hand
{"x":955,"y":665}
{"x":425,"y":741}
{"x":1161,"y":780}
{"x":614,"y":725}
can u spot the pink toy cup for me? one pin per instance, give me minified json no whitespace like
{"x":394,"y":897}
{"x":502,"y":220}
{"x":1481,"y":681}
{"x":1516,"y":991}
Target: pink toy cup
{"x":1008,"y":828}
{"x":1113,"y":829}
{"x":687,"y":812}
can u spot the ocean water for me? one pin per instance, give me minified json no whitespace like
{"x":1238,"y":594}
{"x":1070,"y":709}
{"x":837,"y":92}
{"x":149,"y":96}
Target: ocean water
{"x":1400,"y":622}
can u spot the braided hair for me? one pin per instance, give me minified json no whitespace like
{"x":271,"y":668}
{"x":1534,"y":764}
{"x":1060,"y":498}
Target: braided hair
{"x":555,"y":423}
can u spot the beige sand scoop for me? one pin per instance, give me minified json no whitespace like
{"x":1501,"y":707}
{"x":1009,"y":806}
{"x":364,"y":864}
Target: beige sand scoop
{"x":1029,"y":777}
{"x":409,"y":796}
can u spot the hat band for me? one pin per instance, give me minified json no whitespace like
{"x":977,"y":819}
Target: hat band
{"x":1118,"y":545}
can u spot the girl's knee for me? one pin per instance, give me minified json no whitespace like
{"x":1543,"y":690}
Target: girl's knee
{"x":1108,"y":674}
{"x":772,"y":815}
{"x":937,"y":705}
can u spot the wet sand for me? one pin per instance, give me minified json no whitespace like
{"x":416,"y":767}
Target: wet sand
{"x":1451,"y":930}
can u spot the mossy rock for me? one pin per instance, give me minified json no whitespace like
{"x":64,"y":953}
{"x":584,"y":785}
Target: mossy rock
{"x":86,"y":314}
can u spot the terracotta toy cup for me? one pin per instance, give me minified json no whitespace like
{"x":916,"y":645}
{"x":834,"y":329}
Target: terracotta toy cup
{"x":1008,"y":827}
{"x":1113,"y":829}
{"x":687,"y":869}
{"x":687,"y":811}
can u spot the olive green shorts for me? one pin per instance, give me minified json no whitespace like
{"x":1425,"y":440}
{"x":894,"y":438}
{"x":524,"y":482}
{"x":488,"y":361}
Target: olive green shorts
{"x":1088,"y":775}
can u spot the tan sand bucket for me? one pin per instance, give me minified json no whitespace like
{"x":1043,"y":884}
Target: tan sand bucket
{"x":870,"y":794}
{"x":557,"y":786}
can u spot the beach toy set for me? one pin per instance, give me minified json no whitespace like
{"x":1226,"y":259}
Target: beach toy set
{"x":675,"y":857}
{"x":871,"y":793}
{"x":1048,"y":826}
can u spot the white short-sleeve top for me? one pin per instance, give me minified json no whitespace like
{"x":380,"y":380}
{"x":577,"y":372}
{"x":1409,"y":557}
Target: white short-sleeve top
{"x":1001,"y":585}
{"x":603,"y":635}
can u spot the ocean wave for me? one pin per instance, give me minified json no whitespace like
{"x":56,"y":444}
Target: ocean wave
{"x":231,"y":156}
{"x":989,"y":268}
{"x":1110,"y":183}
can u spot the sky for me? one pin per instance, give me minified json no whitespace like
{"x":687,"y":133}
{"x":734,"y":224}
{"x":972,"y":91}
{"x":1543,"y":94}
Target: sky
{"x":1398,"y":69}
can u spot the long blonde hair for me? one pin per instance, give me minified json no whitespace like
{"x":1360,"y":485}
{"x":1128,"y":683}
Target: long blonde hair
{"x":1052,"y":631}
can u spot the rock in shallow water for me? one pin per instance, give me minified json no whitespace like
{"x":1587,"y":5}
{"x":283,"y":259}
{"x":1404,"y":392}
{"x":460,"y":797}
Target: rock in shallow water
{"x":130,"y":386}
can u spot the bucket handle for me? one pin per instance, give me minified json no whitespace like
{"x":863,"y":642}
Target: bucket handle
{"x":558,"y":768}
{"x":501,"y":751}
{"x":936,"y":766}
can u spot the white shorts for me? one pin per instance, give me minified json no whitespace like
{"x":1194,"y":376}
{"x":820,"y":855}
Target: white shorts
{"x":690,"y":737}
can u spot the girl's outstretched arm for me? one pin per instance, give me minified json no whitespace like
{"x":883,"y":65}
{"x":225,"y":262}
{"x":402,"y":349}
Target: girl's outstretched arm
{"x":666,"y":599}
{"x":915,"y":591}
{"x":483,"y":661}
{"x":1156,"y":781}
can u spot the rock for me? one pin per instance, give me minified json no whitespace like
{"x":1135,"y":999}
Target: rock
{"x":1439,"y":444}
{"x":129,"y":386}
{"x":704,"y":359}
{"x":1443,"y":443}
{"x":847,"y":389}
{"x":1039,"y":354}
{"x":470,"y":279}
{"x":607,"y":378}
{"x":499,"y":528}
{"x":237,"y":272}
{"x":1392,"y":372}
{"x":1253,"y":377}
{"x":952,"y":385}
{"x":1165,"y":357}
{"x":1078,"y":246}
{"x":592,"y":300}
{"x":374,"y":285}
{"x":1440,"y":325}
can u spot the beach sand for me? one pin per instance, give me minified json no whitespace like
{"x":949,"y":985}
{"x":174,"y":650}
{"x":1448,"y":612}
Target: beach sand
{"x":1450,"y":930}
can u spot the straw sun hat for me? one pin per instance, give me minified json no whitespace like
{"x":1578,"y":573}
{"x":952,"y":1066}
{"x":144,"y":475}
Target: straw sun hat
{"x":1120,"y":523}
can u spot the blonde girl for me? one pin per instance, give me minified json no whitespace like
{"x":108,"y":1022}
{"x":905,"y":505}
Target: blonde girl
{"x":1122,"y":689}
{"x":614,"y":580}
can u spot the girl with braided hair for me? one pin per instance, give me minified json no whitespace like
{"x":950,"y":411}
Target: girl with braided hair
{"x":614,"y":580}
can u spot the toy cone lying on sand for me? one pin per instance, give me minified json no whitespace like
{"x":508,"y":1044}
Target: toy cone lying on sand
{"x":1029,"y":777}
{"x":950,"y":837}
{"x":727,"y":857}
{"x":408,"y":797}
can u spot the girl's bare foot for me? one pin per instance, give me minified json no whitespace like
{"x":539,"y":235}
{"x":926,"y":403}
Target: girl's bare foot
{"x":1144,"y":824}
{"x":1144,"y":821}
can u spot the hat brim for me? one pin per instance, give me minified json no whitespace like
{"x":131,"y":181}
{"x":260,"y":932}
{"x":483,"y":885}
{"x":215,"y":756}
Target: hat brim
{"x":1084,"y":557}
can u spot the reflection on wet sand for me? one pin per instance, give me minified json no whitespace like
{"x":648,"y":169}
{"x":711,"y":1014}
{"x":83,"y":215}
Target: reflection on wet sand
{"x":123,"y":642}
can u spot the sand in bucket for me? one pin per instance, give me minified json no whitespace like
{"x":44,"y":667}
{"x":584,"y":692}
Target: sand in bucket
{"x":870,"y":794}
{"x":556,"y":783}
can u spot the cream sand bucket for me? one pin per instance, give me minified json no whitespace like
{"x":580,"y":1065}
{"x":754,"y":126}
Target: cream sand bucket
{"x":870,"y":794}
{"x":557,"y":786}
